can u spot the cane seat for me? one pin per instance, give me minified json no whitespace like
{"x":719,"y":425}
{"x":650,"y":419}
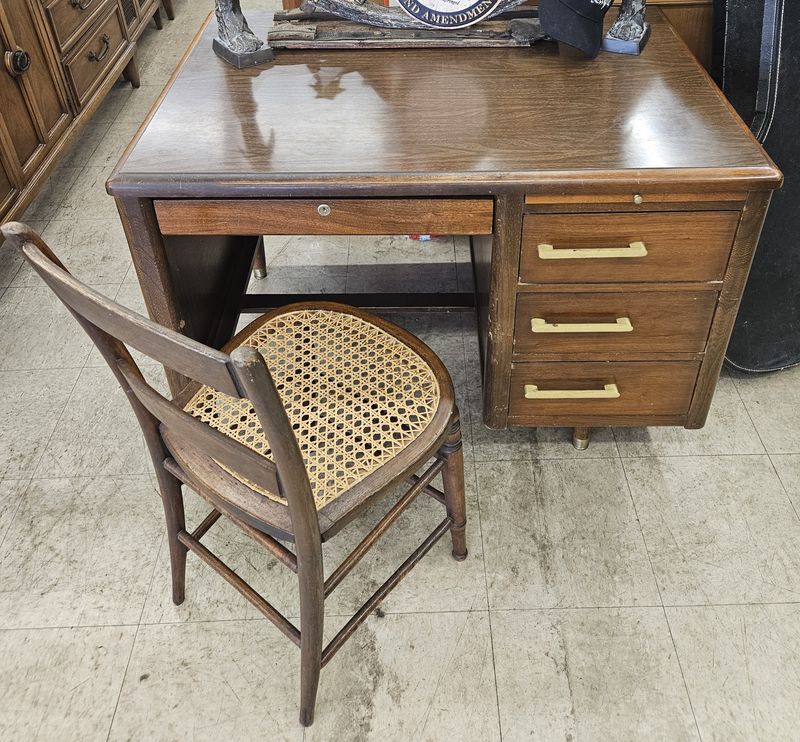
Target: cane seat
{"x":356,"y":394}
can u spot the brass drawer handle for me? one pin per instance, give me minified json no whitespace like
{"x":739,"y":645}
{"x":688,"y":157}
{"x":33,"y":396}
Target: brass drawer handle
{"x":93,"y":57}
{"x":80,"y":4}
{"x":539,"y":325}
{"x":609,"y":391}
{"x":634,"y":250}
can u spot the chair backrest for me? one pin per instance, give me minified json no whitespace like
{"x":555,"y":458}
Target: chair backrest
{"x":243,"y":374}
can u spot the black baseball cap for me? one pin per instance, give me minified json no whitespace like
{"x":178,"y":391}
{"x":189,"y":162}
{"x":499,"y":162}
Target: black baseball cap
{"x":578,"y":23}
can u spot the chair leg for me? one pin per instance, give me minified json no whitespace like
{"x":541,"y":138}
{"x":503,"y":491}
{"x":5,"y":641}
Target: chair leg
{"x":453,"y":479}
{"x":157,"y":19}
{"x":172,"y":499}
{"x":312,"y":618}
{"x":168,"y":9}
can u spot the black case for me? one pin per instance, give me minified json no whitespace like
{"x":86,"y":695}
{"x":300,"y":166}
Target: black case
{"x":757,"y":64}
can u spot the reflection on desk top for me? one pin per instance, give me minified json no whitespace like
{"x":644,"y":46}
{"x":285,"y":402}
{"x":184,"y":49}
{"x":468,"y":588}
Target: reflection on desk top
{"x":428,"y":121}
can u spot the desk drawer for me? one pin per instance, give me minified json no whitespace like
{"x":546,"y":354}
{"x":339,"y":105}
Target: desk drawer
{"x":630,"y":322}
{"x":657,"y":246}
{"x":450,"y":216}
{"x":95,"y":53}
{"x":581,"y":390}
{"x":71,"y":18}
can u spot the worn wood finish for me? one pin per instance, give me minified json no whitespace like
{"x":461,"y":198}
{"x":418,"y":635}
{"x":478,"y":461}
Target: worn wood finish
{"x":658,"y":322}
{"x":333,"y":216}
{"x":185,"y":449}
{"x":499,"y":311}
{"x":753,"y":216}
{"x":681,"y":246}
{"x":645,"y":389}
{"x":678,"y":135}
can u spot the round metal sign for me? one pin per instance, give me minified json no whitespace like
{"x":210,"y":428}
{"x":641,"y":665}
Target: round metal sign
{"x":449,"y":13}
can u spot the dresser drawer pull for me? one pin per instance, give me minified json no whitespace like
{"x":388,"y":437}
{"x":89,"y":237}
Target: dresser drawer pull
{"x":539,"y":325}
{"x":94,"y":56}
{"x":609,"y":391}
{"x":634,"y":250}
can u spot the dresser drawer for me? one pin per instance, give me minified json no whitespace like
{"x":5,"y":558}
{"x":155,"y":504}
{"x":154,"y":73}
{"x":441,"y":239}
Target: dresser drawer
{"x":456,"y":216}
{"x":631,"y":322}
{"x":96,"y":52}
{"x":578,"y":391}
{"x":71,"y":18}
{"x":656,"y":246}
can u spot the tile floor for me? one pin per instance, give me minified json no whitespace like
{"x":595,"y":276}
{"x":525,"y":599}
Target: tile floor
{"x":647,"y":589}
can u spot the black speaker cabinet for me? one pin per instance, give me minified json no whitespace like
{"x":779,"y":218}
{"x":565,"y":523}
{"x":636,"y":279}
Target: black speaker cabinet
{"x":757,"y":65}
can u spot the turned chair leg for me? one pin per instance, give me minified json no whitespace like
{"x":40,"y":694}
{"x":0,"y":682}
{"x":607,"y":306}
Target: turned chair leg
{"x":453,"y":479}
{"x":172,"y":499}
{"x":168,"y":9}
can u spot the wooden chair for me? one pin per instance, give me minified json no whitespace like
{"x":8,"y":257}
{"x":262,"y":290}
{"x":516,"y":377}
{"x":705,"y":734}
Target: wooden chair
{"x":305,"y":417}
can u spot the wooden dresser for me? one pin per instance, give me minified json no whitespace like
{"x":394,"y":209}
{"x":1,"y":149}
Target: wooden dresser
{"x":613,"y":205}
{"x":59,"y":59}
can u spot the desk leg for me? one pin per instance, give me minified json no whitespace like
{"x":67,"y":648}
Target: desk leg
{"x":192,"y":285}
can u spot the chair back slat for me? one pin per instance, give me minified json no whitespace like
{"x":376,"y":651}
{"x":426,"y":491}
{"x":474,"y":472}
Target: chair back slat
{"x":171,"y":349}
{"x":228,"y":453}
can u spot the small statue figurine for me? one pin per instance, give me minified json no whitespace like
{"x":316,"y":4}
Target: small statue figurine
{"x":629,"y":33}
{"x":236,"y":43}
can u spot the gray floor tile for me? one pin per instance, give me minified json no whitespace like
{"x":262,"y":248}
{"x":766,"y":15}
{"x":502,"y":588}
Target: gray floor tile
{"x":742,"y":668}
{"x":80,"y":552}
{"x":773,"y":401}
{"x":61,"y":684}
{"x":788,"y":468}
{"x":98,"y":433}
{"x":137,"y":103}
{"x":426,"y":677}
{"x":718,"y":529}
{"x":39,"y":331}
{"x":110,"y":148}
{"x":30,"y":405}
{"x":93,"y":250}
{"x":86,"y":143}
{"x":58,"y":186}
{"x":86,"y":197}
{"x":562,"y":534}
{"x":11,"y":493}
{"x":229,"y":680}
{"x":727,"y":431}
{"x":589,"y":675}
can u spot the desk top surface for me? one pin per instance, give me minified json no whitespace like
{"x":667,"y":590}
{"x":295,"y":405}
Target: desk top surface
{"x":428,"y":121}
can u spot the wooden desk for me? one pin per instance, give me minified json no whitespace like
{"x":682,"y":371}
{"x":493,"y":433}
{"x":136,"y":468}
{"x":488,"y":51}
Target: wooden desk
{"x":546,"y":161}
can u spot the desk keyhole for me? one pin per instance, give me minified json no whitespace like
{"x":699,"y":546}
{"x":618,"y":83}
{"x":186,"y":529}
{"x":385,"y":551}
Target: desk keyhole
{"x":324,"y":210}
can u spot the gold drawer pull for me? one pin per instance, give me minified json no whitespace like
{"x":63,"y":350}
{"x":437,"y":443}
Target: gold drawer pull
{"x":634,"y":250}
{"x":623,"y":324}
{"x":609,"y":391}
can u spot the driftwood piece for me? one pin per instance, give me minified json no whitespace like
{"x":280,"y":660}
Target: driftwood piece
{"x":337,"y":34}
{"x":380,"y":16}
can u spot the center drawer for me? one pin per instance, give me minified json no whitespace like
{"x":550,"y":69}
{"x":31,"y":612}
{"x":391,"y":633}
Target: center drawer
{"x":631,"y":322}
{"x":598,"y":248}
{"x":451,"y":216}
